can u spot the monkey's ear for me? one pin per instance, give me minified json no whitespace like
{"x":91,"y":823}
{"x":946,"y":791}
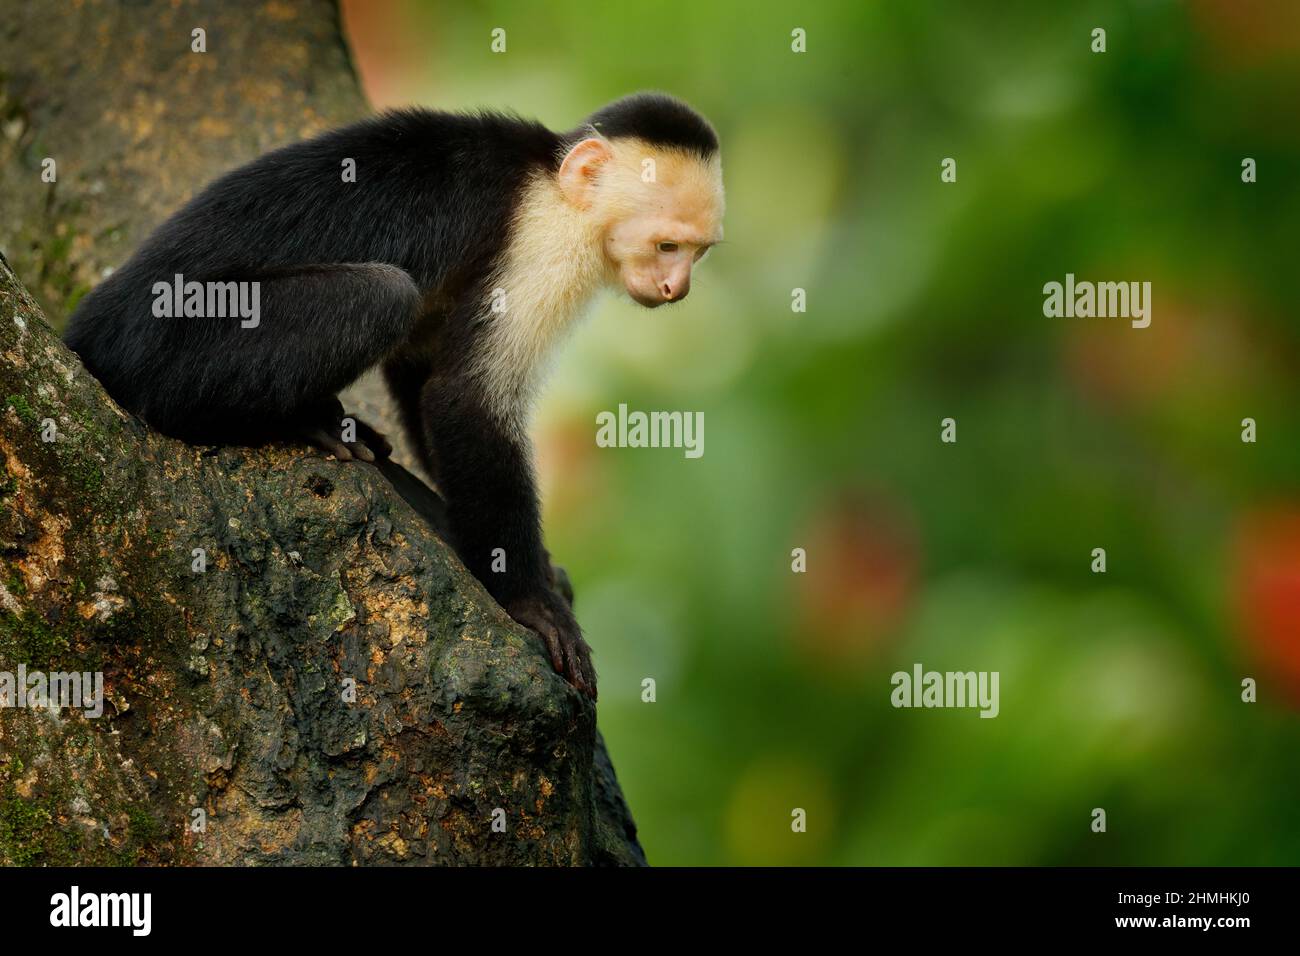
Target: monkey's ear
{"x":578,"y":171}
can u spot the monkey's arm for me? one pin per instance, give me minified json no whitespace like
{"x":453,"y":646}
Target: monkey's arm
{"x":485,"y":472}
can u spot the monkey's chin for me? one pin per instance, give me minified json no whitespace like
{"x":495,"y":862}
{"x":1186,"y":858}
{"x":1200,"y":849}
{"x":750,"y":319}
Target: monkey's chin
{"x":647,"y":301}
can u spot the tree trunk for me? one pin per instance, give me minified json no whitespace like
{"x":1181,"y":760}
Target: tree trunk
{"x":332,"y":687}
{"x":136,"y":123}
{"x":229,"y":690}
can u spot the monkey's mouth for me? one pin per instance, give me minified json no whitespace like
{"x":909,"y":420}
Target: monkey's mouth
{"x":650,"y":302}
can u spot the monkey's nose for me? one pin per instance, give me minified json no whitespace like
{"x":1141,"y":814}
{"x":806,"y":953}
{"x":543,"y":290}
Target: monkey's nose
{"x":674,"y":292}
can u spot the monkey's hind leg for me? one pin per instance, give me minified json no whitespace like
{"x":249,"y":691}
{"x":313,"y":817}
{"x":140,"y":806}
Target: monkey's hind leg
{"x":405,"y":372}
{"x":320,"y":328}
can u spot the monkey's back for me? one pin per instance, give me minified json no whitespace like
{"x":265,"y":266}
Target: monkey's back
{"x":432,"y":190}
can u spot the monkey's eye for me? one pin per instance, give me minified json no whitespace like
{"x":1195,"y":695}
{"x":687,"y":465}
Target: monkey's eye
{"x":667,"y":247}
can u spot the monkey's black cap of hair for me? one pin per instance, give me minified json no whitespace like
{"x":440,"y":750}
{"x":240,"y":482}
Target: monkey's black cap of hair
{"x":659,"y":119}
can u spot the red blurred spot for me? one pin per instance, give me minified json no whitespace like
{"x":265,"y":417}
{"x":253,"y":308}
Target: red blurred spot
{"x":863,"y":557}
{"x":1267,"y":590}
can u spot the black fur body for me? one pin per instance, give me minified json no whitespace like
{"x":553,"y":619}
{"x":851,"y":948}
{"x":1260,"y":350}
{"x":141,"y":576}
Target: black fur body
{"x":433,"y":198}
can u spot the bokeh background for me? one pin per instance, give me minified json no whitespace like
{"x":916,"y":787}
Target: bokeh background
{"x":924,"y":301}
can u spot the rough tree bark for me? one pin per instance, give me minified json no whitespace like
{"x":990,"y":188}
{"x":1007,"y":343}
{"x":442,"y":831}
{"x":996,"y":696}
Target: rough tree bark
{"x":136,"y":122}
{"x":227,"y":690}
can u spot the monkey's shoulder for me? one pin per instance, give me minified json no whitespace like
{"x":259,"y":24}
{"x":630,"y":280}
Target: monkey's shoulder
{"x":424,"y":137}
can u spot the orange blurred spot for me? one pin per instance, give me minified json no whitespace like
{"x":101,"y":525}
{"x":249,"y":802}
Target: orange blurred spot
{"x":386,"y":48}
{"x":1187,"y":351}
{"x":1116,"y":364}
{"x":571,"y":473}
{"x":1248,"y":31}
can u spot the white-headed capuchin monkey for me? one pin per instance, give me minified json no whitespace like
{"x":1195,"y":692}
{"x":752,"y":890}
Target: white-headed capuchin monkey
{"x":457,"y":255}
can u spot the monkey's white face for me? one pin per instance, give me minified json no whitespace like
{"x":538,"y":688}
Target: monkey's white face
{"x":659,"y":210}
{"x":654,"y":255}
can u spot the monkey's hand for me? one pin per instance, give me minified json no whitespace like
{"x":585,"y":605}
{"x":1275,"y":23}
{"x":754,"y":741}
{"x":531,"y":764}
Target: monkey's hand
{"x":329,"y":432}
{"x":546,"y":613}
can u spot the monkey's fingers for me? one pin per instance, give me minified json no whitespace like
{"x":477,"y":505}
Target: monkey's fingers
{"x":577,"y":660}
{"x":580,"y":672}
{"x":551,"y":637}
{"x":564,"y":645}
{"x":342,"y":450}
{"x":327,"y":443}
{"x":588,"y":672}
{"x":374,"y":441}
{"x":360,"y":450}
{"x":591,"y":673}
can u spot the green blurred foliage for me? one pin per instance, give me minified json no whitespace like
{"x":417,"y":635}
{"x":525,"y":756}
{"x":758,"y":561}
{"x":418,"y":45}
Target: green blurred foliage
{"x":1119,"y":690}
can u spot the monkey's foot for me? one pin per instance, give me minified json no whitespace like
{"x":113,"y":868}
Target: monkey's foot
{"x":366,"y":444}
{"x":546,"y":614}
